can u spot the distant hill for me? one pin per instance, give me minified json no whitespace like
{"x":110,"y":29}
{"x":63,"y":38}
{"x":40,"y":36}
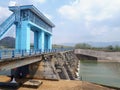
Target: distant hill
{"x":7,"y":42}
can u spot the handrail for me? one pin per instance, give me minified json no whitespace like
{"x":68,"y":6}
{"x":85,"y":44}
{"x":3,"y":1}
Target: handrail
{"x":4,"y":54}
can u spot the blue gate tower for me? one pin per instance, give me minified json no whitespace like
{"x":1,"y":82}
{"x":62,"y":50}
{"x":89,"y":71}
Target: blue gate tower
{"x":27,"y":18}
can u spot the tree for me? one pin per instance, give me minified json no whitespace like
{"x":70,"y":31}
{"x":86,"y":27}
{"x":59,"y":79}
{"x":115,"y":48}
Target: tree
{"x":110,"y":48}
{"x":82,"y":46}
{"x":117,"y":48}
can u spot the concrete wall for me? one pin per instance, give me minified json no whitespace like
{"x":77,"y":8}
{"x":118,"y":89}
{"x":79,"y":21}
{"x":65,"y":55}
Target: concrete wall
{"x":55,"y":66}
{"x":100,"y":55}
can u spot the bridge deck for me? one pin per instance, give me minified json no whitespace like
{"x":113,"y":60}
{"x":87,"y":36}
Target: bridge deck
{"x":11,"y":59}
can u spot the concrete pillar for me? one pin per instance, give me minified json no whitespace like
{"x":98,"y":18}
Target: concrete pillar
{"x":41,"y":39}
{"x":18,"y":36}
{"x":46,"y":41}
{"x":36,"y":40}
{"x":23,"y":36}
{"x":50,"y":42}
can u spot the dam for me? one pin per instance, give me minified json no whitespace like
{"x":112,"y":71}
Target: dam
{"x":63,"y":65}
{"x":28,"y":66}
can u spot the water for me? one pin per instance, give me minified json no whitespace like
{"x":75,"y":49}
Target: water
{"x":8,"y":72}
{"x":106,"y":73}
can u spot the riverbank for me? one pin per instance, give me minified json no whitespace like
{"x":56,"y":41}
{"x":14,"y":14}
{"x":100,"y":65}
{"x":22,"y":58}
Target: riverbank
{"x":58,"y":85}
{"x":108,"y":61}
{"x":66,"y":85}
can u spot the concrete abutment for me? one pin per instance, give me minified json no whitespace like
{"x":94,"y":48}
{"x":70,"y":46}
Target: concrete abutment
{"x":54,"y":66}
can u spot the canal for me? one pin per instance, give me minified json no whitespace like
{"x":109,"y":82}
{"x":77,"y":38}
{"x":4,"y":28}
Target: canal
{"x":105,"y":73}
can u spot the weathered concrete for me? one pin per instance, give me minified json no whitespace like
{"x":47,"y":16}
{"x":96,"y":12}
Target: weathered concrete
{"x":100,"y":55}
{"x":60,"y":65}
{"x":56,"y":66}
{"x":12,"y":63}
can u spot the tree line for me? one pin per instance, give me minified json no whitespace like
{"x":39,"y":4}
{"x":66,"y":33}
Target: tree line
{"x":88,"y":46}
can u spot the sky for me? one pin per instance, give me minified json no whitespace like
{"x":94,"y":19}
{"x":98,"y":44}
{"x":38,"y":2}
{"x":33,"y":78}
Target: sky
{"x":75,"y":20}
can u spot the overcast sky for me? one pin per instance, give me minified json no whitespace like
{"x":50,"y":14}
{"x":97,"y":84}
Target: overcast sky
{"x":76,"y":20}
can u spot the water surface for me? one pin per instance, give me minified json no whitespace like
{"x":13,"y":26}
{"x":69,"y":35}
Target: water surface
{"x":106,"y":73}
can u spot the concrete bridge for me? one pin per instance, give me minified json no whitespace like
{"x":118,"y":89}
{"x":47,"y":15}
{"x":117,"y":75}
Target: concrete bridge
{"x":99,"y":55}
{"x":42,"y":61}
{"x":49,"y":65}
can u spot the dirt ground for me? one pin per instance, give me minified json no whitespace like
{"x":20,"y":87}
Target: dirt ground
{"x":66,"y":85}
{"x":59,"y":85}
{"x":4,"y":78}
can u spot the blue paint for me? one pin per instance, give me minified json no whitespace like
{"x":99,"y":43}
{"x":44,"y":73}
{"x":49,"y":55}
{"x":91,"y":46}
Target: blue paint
{"x":36,"y":40}
{"x":28,"y":18}
{"x":23,"y":36}
{"x":41,"y":40}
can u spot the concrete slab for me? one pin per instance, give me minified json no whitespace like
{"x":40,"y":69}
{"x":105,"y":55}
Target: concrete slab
{"x":32,"y":83}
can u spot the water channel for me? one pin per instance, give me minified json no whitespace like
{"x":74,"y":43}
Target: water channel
{"x":105,"y":73}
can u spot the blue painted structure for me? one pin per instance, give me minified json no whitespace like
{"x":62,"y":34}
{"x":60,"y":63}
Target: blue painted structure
{"x":28,"y":18}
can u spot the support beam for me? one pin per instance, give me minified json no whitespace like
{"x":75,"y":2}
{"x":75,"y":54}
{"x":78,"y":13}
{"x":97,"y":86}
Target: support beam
{"x":35,"y":40}
{"x":41,"y":38}
{"x":25,"y":35}
{"x":46,"y":41}
{"x":18,"y":36}
{"x":50,"y":42}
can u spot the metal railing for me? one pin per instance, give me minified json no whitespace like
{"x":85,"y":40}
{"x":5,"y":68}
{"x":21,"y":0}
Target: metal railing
{"x":4,"y":54}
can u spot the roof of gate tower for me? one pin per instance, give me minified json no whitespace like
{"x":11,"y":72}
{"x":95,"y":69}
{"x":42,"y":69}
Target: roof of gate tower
{"x":34,"y":10}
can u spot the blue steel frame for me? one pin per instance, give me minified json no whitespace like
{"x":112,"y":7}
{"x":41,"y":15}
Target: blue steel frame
{"x":29,"y":18}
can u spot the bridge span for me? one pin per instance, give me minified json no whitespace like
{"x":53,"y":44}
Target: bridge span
{"x":100,"y":55}
{"x":48,"y":65}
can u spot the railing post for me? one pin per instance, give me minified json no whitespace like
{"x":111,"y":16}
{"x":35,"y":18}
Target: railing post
{"x":43,"y":51}
{"x":40,"y":51}
{"x":5,"y":52}
{"x":55,"y":50}
{"x":35,"y":51}
{"x":46,"y":50}
{"x":49,"y":50}
{"x":13,"y":53}
{"x":0,"y":55}
{"x":25,"y":51}
{"x":22,"y":53}
{"x":18,"y":52}
{"x":30,"y":52}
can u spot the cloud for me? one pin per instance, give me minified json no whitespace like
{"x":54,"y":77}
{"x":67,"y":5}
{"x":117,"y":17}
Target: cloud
{"x":96,"y":19}
{"x":90,"y":9}
{"x":4,"y":13}
{"x":42,"y":1}
{"x":38,"y":1}
{"x":12,"y":3}
{"x":70,"y":11}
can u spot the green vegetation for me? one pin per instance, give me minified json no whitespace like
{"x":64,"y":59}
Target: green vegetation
{"x":61,"y":46}
{"x":109,"y":48}
{"x":83,"y":46}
